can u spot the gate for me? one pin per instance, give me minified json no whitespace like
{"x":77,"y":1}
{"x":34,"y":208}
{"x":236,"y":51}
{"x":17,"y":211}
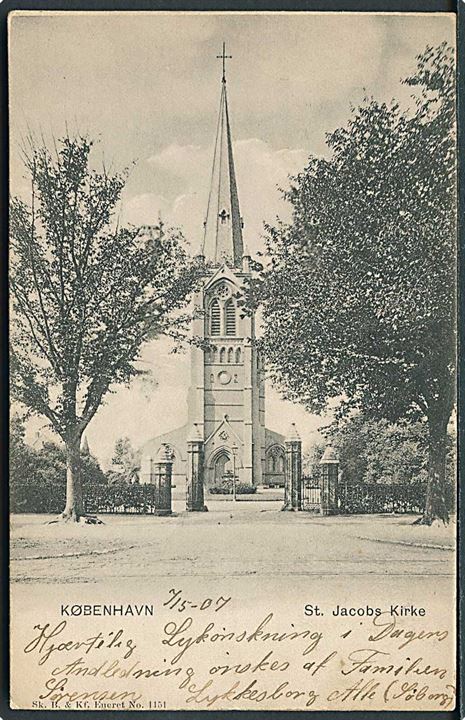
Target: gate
{"x":311,"y":494}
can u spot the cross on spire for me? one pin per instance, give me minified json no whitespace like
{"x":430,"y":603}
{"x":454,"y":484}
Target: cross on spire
{"x":222,"y":237}
{"x":224,"y":57}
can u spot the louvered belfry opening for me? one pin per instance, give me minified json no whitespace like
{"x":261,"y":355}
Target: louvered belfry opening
{"x":215,"y":318}
{"x":230,"y":317}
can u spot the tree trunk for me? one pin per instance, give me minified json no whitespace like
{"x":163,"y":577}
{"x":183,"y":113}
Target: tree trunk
{"x":74,"y":502}
{"x":436,"y":501}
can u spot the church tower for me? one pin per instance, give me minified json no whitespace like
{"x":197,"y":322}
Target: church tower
{"x":227,"y":393}
{"x":226,"y":399}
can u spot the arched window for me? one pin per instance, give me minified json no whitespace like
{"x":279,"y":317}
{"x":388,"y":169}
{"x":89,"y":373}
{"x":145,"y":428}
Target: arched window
{"x":238,"y":355}
{"x":215,"y":318}
{"x":230,"y":317}
{"x":231,"y":355}
{"x":214,"y":355}
{"x":223,"y":355}
{"x":275,"y":459}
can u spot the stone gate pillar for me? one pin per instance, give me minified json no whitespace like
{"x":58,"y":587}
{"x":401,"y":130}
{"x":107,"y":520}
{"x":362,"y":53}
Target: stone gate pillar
{"x":329,"y":467}
{"x":160,"y":476}
{"x":195,"y":472}
{"x":293,"y":471}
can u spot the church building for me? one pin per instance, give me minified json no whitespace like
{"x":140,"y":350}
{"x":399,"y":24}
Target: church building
{"x":226,"y":400}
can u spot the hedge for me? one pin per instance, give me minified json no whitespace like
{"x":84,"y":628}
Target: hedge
{"x":241,"y":489}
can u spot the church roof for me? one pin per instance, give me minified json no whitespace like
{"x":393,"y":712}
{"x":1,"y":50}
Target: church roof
{"x":177,"y":438}
{"x":273,"y":438}
{"x":223,"y":223}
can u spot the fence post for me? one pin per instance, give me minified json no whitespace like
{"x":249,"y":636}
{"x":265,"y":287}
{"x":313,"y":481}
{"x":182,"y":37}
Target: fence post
{"x":160,"y":476}
{"x":293,"y":471}
{"x":329,"y":481}
{"x":195,"y":472}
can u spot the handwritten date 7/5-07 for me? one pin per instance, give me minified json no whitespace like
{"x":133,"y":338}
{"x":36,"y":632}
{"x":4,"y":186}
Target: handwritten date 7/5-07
{"x":177,"y":601}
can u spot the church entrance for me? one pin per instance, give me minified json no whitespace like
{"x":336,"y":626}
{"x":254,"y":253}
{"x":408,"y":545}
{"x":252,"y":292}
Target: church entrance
{"x":222,"y":468}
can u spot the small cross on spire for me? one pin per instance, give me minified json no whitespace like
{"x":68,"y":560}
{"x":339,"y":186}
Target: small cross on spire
{"x":224,"y":57}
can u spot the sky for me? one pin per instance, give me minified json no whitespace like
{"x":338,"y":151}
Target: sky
{"x":147,"y":85}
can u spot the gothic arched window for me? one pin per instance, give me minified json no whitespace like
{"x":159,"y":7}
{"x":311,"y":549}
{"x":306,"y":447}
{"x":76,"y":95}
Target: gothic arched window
{"x":238,"y":355}
{"x":215,"y":318}
{"x":223,"y":355}
{"x":231,"y":355}
{"x":275,"y":459}
{"x":230,"y":317}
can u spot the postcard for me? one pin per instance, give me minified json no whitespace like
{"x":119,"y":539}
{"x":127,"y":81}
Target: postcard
{"x":233,"y":361}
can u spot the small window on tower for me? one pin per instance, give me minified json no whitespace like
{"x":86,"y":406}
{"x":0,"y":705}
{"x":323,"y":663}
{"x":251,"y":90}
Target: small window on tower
{"x":215,"y":318}
{"x":230,"y":317}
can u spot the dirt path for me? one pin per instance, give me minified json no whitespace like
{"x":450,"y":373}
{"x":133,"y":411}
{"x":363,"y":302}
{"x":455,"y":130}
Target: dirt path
{"x":246,"y":539}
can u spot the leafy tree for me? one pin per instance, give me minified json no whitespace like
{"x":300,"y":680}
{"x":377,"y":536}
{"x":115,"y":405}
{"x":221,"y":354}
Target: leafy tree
{"x":311,"y":458}
{"x":38,"y":475}
{"x":376,"y":451}
{"x":86,"y":293}
{"x":126,"y":462}
{"x":51,"y":466}
{"x":22,"y":457}
{"x":359,"y":293}
{"x":351,"y":441}
{"x":45,"y":464}
{"x":396,"y":453}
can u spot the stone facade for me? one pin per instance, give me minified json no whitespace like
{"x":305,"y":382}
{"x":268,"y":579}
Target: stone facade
{"x":226,"y":401}
{"x":227,"y":393}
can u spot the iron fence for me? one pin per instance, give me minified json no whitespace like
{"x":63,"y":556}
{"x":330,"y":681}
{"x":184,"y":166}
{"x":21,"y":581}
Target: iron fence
{"x":366,"y":497}
{"x":382,"y":498}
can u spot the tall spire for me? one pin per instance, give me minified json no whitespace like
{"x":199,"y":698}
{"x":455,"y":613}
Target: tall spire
{"x":223,"y":224}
